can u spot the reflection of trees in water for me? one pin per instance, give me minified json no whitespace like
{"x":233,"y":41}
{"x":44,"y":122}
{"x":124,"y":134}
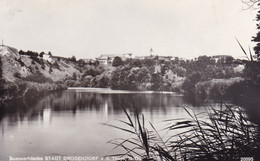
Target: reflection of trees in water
{"x":151,"y":102}
{"x":59,"y":101}
{"x":86,"y":101}
{"x":19,"y":110}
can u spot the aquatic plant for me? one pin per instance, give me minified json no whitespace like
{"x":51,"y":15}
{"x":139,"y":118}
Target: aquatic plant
{"x":222,"y":134}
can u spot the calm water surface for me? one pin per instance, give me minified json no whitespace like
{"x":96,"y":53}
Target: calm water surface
{"x":70,"y":122}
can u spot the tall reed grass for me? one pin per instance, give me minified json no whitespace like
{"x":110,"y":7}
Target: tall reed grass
{"x":224,"y":134}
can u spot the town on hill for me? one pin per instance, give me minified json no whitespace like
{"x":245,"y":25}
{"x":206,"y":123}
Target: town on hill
{"x":203,"y":75}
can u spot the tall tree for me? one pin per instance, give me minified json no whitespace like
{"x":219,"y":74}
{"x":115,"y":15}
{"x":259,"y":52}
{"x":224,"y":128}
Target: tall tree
{"x":257,"y":37}
{"x":255,"y":4}
{"x":251,"y":4}
{"x":117,"y":61}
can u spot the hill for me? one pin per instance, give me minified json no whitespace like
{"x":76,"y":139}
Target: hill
{"x":29,"y":74}
{"x":24,"y":75}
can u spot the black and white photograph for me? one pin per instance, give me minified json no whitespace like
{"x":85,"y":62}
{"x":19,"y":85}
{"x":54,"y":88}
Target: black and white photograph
{"x":129,"y":80}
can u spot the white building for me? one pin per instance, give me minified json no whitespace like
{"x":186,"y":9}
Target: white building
{"x":107,"y":59}
{"x":47,"y":57}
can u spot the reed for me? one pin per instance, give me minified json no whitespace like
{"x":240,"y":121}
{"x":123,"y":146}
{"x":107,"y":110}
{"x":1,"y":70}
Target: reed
{"x":222,"y":134}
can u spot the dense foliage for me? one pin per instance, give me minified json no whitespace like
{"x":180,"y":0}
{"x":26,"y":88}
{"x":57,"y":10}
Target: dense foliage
{"x":117,"y":61}
{"x":159,"y":73}
{"x":1,"y":71}
{"x":257,"y":37}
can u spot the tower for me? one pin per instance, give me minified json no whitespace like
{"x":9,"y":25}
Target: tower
{"x":151,"y":52}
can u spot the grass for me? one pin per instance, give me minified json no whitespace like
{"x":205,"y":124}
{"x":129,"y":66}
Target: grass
{"x":139,"y":145}
{"x":227,"y":135}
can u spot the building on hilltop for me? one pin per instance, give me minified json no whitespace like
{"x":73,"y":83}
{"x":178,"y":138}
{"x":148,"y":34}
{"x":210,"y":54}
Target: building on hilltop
{"x":107,"y":59}
{"x":140,"y":57}
{"x":88,"y":61}
{"x":47,"y":57}
{"x":166,"y":58}
{"x":218,"y":57}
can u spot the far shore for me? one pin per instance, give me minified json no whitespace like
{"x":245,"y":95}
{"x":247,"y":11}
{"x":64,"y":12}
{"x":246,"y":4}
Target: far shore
{"x":114,"y":91}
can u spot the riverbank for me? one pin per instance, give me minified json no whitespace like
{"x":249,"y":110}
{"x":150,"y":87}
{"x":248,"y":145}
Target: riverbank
{"x":26,"y":91}
{"x":114,"y":91}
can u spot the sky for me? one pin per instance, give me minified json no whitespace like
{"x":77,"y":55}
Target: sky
{"x":89,"y":28}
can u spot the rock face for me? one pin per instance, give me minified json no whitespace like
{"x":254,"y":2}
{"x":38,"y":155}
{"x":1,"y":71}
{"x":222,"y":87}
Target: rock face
{"x":25,"y":75}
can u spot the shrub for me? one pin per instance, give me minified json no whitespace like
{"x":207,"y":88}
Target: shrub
{"x":191,"y":81}
{"x":17,"y":75}
{"x":1,"y":69}
{"x":74,"y":76}
{"x":21,"y":62}
{"x":56,"y":65}
{"x":117,"y":61}
{"x":73,"y":59}
{"x":43,"y":66}
{"x":36,"y":59}
{"x":50,"y":69}
{"x":38,"y":77}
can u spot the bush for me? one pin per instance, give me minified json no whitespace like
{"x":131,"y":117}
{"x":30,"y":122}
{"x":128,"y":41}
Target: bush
{"x":50,"y":69}
{"x":43,"y":66}
{"x":73,"y":59}
{"x":92,"y":71}
{"x":191,"y":81}
{"x":29,"y":53}
{"x":56,"y":65}
{"x":21,"y":62}
{"x":1,"y":69}
{"x":17,"y":75}
{"x":38,"y":77}
{"x":36,"y":59}
{"x":117,"y":61}
{"x":74,"y":76}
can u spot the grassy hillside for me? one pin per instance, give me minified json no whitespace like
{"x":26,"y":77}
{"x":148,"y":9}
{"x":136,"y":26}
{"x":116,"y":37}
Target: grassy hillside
{"x":16,"y":66}
{"x":30,"y":75}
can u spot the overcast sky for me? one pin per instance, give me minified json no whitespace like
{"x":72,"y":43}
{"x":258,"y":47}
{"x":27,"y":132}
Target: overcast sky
{"x":89,"y":28}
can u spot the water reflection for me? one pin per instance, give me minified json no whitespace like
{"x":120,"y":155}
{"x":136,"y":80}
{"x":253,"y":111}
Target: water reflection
{"x":72,"y":119}
{"x":72,"y":101}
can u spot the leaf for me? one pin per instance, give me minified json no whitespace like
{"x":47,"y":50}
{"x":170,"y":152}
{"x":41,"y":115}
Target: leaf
{"x":251,"y":57}
{"x":242,"y":48}
{"x":119,"y":128}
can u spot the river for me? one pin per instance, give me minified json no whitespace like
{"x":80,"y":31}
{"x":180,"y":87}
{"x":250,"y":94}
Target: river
{"x":71,"y":122}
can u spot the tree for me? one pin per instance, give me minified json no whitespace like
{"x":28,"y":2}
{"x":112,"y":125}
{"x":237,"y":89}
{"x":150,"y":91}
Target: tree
{"x":190,"y":82}
{"x":257,"y":37}
{"x":41,"y":54}
{"x":251,"y":4}
{"x":117,"y":61}
{"x":21,"y":52}
{"x":73,"y":59}
{"x":254,"y":4}
{"x":229,"y":60}
{"x":50,"y":70}
{"x":1,"y":72}
{"x":56,"y":65}
{"x":74,"y":76}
